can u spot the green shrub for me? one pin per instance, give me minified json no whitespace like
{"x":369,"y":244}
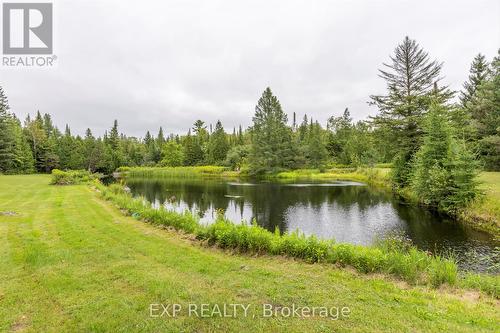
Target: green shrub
{"x":72,"y":177}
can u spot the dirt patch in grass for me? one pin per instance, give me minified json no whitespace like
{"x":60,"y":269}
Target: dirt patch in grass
{"x":20,"y":325}
{"x":8,"y":213}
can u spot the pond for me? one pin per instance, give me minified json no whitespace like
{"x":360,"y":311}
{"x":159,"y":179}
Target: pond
{"x":342,"y":210}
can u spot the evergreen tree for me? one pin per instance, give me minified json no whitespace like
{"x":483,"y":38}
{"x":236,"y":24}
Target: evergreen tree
{"x":443,"y":170}
{"x":65,"y":149}
{"x":90,"y":151}
{"x":477,"y":75}
{"x":410,"y":78}
{"x":271,"y":138}
{"x":303,"y":129}
{"x":218,"y":145}
{"x":340,"y":130}
{"x":240,"y":140}
{"x":198,"y":144}
{"x":48,"y":125}
{"x":190,"y":156}
{"x":114,"y":136}
{"x":161,"y":138}
{"x":7,"y":142}
{"x":152,"y":153}
{"x":49,"y":157}
{"x":485,"y":112}
{"x":42,"y":146}
{"x":23,"y":158}
{"x":317,"y":152}
{"x":114,"y":148}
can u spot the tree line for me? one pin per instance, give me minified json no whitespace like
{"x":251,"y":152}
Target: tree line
{"x":428,"y":136}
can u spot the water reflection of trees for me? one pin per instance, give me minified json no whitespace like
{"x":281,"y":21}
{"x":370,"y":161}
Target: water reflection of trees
{"x":268,"y":201}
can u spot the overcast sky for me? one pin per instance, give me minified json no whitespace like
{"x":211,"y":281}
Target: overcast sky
{"x":168,"y":63}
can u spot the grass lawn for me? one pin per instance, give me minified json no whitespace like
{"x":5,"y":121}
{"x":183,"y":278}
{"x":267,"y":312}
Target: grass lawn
{"x":70,"y":262}
{"x":489,"y":207}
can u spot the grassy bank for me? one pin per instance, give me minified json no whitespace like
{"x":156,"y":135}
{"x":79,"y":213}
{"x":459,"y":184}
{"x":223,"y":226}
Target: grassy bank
{"x":392,"y":257}
{"x":184,"y":172}
{"x":374,"y":176}
{"x":484,"y":213}
{"x":70,"y":262}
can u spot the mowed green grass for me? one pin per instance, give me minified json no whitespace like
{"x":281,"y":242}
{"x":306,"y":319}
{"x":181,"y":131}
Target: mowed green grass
{"x":70,"y":262}
{"x":489,"y":206}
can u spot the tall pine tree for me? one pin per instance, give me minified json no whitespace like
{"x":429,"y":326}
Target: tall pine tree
{"x":410,"y":77}
{"x":272,"y":148}
{"x":7,"y":141}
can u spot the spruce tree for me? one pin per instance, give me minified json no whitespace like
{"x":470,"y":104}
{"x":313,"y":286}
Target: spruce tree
{"x":161,"y":138}
{"x":484,"y":109}
{"x":23,"y":158}
{"x":115,"y":149}
{"x":65,"y":149}
{"x":7,"y":140}
{"x":340,"y":130}
{"x":218,"y":145}
{"x":272,"y":148}
{"x":198,"y":144}
{"x":410,"y":77}
{"x":478,"y":73}
{"x":90,"y":151}
{"x":444,"y":170}
{"x":317,"y":152}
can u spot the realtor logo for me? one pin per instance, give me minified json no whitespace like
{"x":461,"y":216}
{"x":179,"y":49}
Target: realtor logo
{"x":27,"y":28}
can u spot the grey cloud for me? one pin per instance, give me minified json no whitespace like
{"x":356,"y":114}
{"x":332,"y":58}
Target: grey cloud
{"x":168,"y":63}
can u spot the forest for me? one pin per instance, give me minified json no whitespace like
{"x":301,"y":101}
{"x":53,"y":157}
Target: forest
{"x":435,"y":139}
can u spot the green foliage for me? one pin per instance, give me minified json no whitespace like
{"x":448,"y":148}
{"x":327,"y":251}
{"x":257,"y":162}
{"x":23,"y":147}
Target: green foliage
{"x":193,"y":152}
{"x":484,"y":109}
{"x":172,"y":154}
{"x":237,"y":156}
{"x":7,"y":142}
{"x":411,"y":80}
{"x":489,"y":284}
{"x":186,"y":172}
{"x":316,"y":153}
{"x":218,"y":145}
{"x":443,"y":171}
{"x":272,"y":147}
{"x":71,"y":177}
{"x":349,"y":143}
{"x":477,"y":75}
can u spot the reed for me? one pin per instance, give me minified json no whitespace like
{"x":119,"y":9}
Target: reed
{"x":170,"y":172}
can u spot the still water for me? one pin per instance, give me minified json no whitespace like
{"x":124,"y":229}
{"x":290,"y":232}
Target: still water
{"x":345,"y":211}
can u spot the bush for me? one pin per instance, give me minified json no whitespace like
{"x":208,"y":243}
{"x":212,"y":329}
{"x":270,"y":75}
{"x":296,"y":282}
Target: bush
{"x":72,"y":177}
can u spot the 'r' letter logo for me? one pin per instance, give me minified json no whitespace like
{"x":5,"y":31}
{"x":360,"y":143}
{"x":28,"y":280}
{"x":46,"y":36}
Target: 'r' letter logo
{"x":27,"y":28}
